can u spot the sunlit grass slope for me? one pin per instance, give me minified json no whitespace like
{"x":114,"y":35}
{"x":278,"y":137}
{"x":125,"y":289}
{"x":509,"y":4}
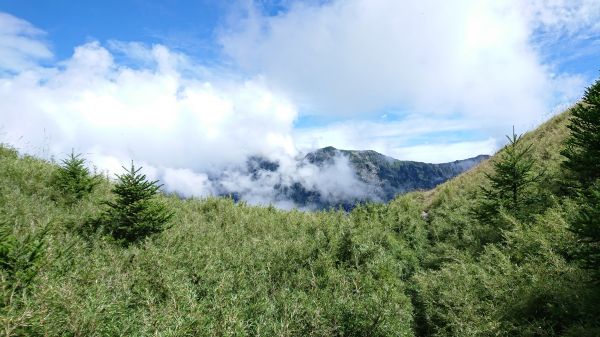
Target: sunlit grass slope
{"x":225,"y":269}
{"x":524,"y":285}
{"x":221,"y":269}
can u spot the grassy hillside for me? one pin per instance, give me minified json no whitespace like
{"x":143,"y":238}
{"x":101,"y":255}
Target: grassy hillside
{"x":546,"y":140}
{"x":450,"y":204}
{"x":222,"y":269}
{"x":526,"y":284}
{"x":227,"y":269}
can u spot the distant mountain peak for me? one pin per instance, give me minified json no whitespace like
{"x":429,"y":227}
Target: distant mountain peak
{"x":330,"y":151}
{"x":372,"y":175}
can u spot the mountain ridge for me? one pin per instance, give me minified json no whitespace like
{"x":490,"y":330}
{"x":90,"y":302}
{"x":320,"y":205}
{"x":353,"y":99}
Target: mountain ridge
{"x":392,"y":175}
{"x":329,"y":178}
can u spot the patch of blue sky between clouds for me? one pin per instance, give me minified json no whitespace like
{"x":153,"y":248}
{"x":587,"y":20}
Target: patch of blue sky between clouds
{"x":310,"y":121}
{"x":446,"y":137}
{"x":585,"y":61}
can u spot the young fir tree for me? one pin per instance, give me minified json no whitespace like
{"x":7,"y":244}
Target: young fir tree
{"x":136,"y":213}
{"x":582,"y":152}
{"x":582,"y":147}
{"x":74,"y":180}
{"x":508,"y":186}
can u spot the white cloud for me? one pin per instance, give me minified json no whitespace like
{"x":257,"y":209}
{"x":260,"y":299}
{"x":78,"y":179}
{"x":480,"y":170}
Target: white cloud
{"x":20,"y":44}
{"x":151,"y":114}
{"x":334,"y":183}
{"x":187,"y":183}
{"x":194,"y":135}
{"x":446,"y":152}
{"x":468,"y":58}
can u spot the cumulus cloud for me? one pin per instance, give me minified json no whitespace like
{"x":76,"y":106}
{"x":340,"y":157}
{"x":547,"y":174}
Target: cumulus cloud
{"x":187,"y":183}
{"x":195,"y":134}
{"x":474,"y":59}
{"x":298,"y":182}
{"x":151,"y":114}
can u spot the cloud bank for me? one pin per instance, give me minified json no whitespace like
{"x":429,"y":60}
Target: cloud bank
{"x":473,"y":59}
{"x":195,"y":135}
{"x":429,"y":81}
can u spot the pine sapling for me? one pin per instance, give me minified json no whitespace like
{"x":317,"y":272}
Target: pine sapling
{"x":74,"y":180}
{"x":509,"y":187}
{"x":582,"y":147}
{"x":136,"y":213}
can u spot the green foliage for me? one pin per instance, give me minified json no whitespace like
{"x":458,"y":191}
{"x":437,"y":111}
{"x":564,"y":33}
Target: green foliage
{"x":20,"y":259}
{"x":493,"y":296}
{"x":510,"y":190}
{"x":136,"y":213}
{"x":74,"y":180}
{"x":582,"y":147}
{"x":582,"y":152}
{"x":586,"y":225}
{"x":523,"y":287}
{"x":513,"y":174}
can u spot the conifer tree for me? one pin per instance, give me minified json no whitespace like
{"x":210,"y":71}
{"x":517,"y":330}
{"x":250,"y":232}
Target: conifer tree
{"x":513,"y":174}
{"x":582,"y":150}
{"x":582,"y":147}
{"x":586,"y":226}
{"x":135,"y":214}
{"x":510,"y":190}
{"x":73,"y":179}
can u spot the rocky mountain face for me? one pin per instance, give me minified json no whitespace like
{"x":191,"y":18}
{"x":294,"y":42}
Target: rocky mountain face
{"x":381,"y":177}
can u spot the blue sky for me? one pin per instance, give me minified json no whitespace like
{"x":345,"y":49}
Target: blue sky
{"x":186,"y":25}
{"x":431,"y":80}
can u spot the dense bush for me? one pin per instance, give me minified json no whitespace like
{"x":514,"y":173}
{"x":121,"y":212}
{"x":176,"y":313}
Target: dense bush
{"x":20,"y":257}
{"x":522,"y":288}
{"x":586,"y":225}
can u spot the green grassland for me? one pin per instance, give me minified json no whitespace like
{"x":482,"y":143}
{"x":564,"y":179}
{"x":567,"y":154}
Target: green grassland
{"x":225,"y":268}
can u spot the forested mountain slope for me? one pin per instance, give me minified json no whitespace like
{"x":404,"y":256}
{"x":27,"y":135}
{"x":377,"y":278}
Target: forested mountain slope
{"x":392,"y":176}
{"x":355,"y":177}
